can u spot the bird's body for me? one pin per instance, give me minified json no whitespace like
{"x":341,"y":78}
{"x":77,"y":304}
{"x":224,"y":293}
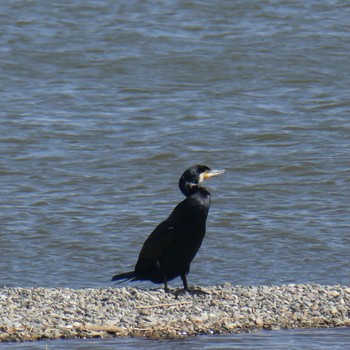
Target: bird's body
{"x":169,"y":250}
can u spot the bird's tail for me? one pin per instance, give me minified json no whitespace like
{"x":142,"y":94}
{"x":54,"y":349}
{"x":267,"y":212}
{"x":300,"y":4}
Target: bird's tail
{"x":131,"y":275}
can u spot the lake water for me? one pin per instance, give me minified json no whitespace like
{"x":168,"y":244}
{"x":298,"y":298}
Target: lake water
{"x":105,"y":103}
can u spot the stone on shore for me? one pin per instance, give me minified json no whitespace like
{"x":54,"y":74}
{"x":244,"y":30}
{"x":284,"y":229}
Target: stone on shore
{"x":54,"y":313}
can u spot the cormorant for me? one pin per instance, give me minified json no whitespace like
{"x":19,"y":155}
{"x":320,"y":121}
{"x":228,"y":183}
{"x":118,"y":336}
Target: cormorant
{"x":169,"y":250}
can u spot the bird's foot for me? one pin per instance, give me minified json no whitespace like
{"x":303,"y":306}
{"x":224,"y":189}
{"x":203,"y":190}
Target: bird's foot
{"x":191,"y":291}
{"x":168,"y":290}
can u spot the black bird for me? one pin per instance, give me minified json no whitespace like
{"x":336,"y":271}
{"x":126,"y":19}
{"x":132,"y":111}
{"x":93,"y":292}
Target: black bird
{"x":169,"y":250}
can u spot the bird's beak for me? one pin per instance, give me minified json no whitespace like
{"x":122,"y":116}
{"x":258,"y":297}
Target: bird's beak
{"x":210,"y":173}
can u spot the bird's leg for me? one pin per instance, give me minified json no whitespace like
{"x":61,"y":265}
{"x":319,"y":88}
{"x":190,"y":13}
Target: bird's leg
{"x":189,"y":290}
{"x":184,"y":281}
{"x":166,"y":288}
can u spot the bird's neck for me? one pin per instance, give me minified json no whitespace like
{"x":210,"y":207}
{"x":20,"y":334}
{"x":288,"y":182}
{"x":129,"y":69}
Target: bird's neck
{"x":195,"y":208}
{"x":191,"y":189}
{"x":201,"y":195}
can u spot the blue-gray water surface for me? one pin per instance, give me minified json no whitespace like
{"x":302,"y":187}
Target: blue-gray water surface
{"x":105,"y":103}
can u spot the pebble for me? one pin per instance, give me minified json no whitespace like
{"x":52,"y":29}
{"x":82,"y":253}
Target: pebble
{"x":54,"y":313}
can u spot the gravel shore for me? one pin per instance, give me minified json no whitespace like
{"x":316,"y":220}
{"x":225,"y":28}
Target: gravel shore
{"x":53,"y":313}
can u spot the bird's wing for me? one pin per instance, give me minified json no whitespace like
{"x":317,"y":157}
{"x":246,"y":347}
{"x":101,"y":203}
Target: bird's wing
{"x":158,"y":242}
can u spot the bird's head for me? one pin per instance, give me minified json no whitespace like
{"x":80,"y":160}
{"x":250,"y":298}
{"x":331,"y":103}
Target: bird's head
{"x":194,"y":176}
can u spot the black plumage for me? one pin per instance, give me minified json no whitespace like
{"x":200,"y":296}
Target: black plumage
{"x":169,"y":250}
